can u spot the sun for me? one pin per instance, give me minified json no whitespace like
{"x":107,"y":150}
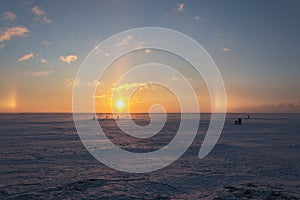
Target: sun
{"x":120,"y":104}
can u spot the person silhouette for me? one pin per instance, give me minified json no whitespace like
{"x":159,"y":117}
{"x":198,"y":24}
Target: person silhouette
{"x":240,"y":121}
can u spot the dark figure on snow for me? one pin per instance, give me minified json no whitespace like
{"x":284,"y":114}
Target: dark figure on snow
{"x":240,"y":121}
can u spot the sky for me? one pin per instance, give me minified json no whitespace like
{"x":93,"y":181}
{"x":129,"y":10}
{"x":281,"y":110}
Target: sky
{"x":255,"y":44}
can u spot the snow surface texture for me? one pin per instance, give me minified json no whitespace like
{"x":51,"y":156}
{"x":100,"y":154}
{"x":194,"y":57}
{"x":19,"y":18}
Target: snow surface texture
{"x":42,"y":157}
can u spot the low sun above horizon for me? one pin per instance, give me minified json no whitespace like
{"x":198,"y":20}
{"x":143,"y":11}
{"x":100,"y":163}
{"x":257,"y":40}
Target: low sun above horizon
{"x":141,"y":100}
{"x":120,"y":104}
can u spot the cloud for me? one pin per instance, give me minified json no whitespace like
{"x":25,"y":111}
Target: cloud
{"x":95,"y":83}
{"x":9,"y":16}
{"x":101,"y":51}
{"x":197,"y":18}
{"x":43,"y":60}
{"x":38,"y":11}
{"x":147,"y":51}
{"x":68,"y":59}
{"x":46,"y":43}
{"x":276,"y":108}
{"x":39,"y":73}
{"x":125,"y":41}
{"x":9,"y":33}
{"x":180,"y":7}
{"x":100,"y":96}
{"x":41,"y":14}
{"x":2,"y":45}
{"x":140,"y":45}
{"x":172,"y":78}
{"x":226,"y":49}
{"x":128,"y":86}
{"x":46,"y":20}
{"x":72,"y":82}
{"x":26,"y":57}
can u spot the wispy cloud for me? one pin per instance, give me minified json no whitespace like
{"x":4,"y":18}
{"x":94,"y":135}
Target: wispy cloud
{"x":41,"y":15}
{"x":125,"y":41}
{"x":68,"y":59}
{"x":292,"y":107}
{"x":9,"y":16}
{"x":38,"y":11}
{"x":180,"y":7}
{"x":26,"y":57}
{"x":100,"y":96}
{"x":46,"y":43}
{"x":172,"y":78}
{"x":101,"y":51}
{"x":39,"y":73}
{"x":9,"y":33}
{"x":95,"y":83}
{"x":226,"y":49}
{"x":43,"y":60}
{"x":72,"y":82}
{"x":197,"y":17}
{"x":128,"y":86}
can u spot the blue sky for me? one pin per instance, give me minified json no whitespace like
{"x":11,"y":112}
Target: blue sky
{"x":255,"y":44}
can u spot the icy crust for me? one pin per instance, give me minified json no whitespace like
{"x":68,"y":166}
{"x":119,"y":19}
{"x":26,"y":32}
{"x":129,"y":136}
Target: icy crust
{"x":42,"y":157}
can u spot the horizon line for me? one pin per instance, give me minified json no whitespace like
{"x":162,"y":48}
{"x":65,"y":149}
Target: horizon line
{"x":29,"y":112}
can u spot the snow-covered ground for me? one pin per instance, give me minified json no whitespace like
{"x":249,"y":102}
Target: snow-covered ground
{"x":42,"y":157}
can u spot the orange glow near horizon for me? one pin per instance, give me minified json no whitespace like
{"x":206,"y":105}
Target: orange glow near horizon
{"x":9,"y":104}
{"x":143,"y":99}
{"x":140,"y":101}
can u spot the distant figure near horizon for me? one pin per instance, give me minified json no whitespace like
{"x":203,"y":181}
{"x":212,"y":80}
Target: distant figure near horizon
{"x":248,"y":117}
{"x":240,"y":121}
